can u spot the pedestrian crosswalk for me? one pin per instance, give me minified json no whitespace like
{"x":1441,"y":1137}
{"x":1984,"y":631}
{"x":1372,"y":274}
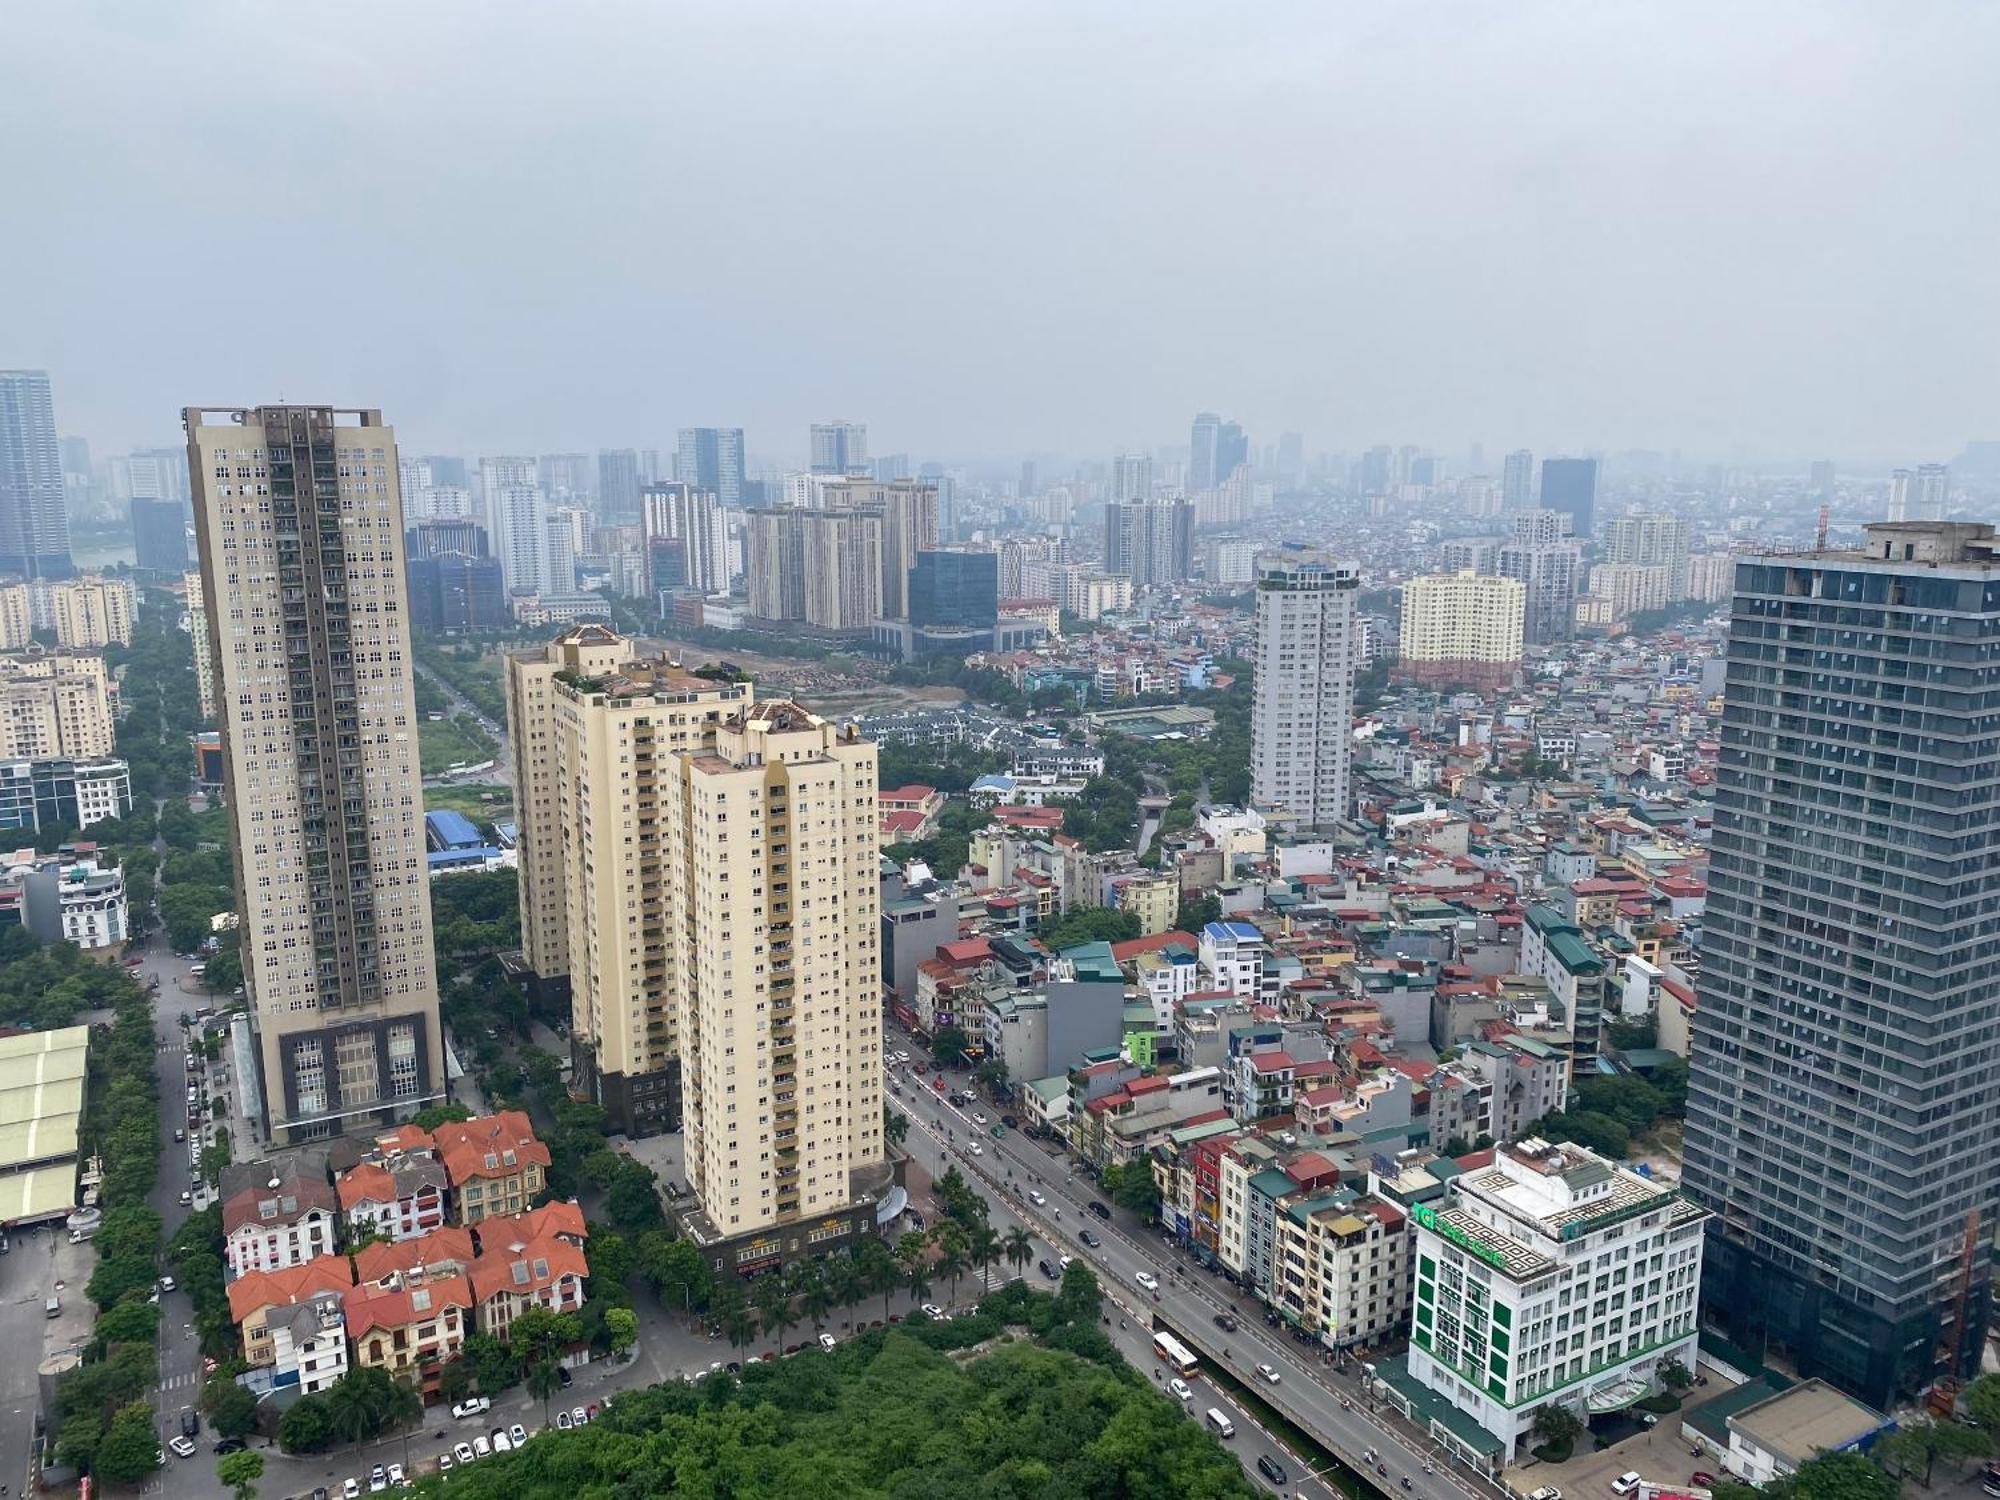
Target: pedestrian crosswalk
{"x":182,"y":1381}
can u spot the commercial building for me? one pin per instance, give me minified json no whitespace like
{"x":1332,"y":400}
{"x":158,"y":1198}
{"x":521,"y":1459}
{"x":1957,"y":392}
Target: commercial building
{"x":711,"y":460}
{"x":452,"y":593}
{"x":55,"y":705}
{"x":1841,"y":1118}
{"x":1549,"y":1277}
{"x":1569,"y":485}
{"x":954,"y":610}
{"x":42,"y":795}
{"x":769,"y":847}
{"x":435,"y":538}
{"x":34,"y":522}
{"x":160,"y":536}
{"x":596,"y":733}
{"x":1461,"y":627}
{"x":1307,"y":648}
{"x":201,"y":635}
{"x":1216,"y":450}
{"x":618,"y":481}
{"x":300,"y":529}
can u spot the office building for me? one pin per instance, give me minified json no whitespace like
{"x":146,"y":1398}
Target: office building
{"x":1841,"y":1099}
{"x":435,"y":538}
{"x":55,"y":705}
{"x":92,"y":612}
{"x":780,"y":1050}
{"x":955,"y":610}
{"x":840,"y":448}
{"x":42,"y":795}
{"x":686,"y":537}
{"x":154,"y":474}
{"x":591,"y":836}
{"x":711,"y":459}
{"x":1150,"y":541}
{"x":303,"y":540}
{"x":159,"y":536}
{"x":1653,"y":540}
{"x":1216,"y":450}
{"x":1549,"y":563}
{"x":1517,"y":480}
{"x":34,"y":521}
{"x":1461,"y":627}
{"x":1302,"y":724}
{"x":200,"y":632}
{"x":1551,"y":1277}
{"x":1131,"y":477}
{"x":618,"y":484}
{"x":1920,"y":494}
{"x":1569,"y":485}
{"x":453,"y":594}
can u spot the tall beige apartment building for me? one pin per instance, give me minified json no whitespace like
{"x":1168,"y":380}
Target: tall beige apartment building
{"x":92,"y":612}
{"x":823,"y":567}
{"x":198,"y":632}
{"x":17,"y":617}
{"x":703,"y":871}
{"x":55,"y":705}
{"x":1463,"y":627}
{"x":909,"y":512}
{"x":299,"y":525}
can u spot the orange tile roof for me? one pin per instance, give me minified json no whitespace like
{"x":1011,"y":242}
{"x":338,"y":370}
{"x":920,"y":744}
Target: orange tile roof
{"x":494,"y":1274}
{"x":376,"y":1307}
{"x":323,"y":1273}
{"x":366,"y":1183}
{"x":466,"y":1145}
{"x":450,"y":1245}
{"x":503,"y":1232}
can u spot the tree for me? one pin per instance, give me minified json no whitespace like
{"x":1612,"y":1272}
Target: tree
{"x":1675,"y":1376}
{"x":895,"y":1125}
{"x":453,"y":1381}
{"x":984,"y":1250}
{"x":623,"y":1324}
{"x":844,"y":1283}
{"x":134,"y":1320}
{"x":307,"y":1426}
{"x":1927,"y":1442}
{"x":1982,"y":1401}
{"x":440,"y":1114}
{"x":231,"y":1408}
{"x":954,"y":1252}
{"x":949,"y":1046}
{"x":1557,"y":1426}
{"x":240,"y":1471}
{"x":815,"y":1294}
{"x":879,"y":1270}
{"x":538,"y":1334}
{"x":1090,"y":924}
{"x":1133,"y":1187}
{"x":1020,"y":1247}
{"x":667,"y":1264}
{"x":739,"y":1323}
{"x":544,"y":1379}
{"x":1836,"y":1476}
{"x":1080,"y":1300}
{"x":130,"y":1448}
{"x":773,"y":1301}
{"x":354,"y":1407}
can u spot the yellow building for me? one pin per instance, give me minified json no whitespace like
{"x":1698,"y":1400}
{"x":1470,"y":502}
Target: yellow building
{"x":204,"y":662}
{"x":55,"y":705}
{"x":596,"y":734}
{"x":1463,"y":627}
{"x":91,"y":613}
{"x":1154,"y":899}
{"x":17,"y":617}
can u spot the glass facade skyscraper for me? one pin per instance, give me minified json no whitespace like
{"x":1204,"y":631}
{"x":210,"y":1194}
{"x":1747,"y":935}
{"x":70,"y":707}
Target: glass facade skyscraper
{"x":34,"y":523}
{"x":1844,"y":1098}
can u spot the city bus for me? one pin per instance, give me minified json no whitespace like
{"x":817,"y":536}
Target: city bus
{"x":1175,"y":1355}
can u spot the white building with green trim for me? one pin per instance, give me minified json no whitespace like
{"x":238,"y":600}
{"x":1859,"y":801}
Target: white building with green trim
{"x":1550,"y":1276}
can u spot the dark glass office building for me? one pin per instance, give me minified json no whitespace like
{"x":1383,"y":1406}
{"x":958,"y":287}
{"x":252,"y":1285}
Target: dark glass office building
{"x":1570,"y":486}
{"x":159,"y":536}
{"x":960,"y":590}
{"x":1844,"y":1098}
{"x":451,"y":594}
{"x":34,"y":523}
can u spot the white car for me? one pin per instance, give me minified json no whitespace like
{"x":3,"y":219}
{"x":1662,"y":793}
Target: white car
{"x":975,"y":1148}
{"x":501,"y":1442}
{"x":1035,"y":1197}
{"x":978,"y":1118}
{"x":932,"y":1311}
{"x":396,"y":1475}
{"x":1181,"y":1389}
{"x":827,"y":1342}
{"x":1546,"y":1492}
{"x":445,"y":1463}
{"x":166,"y":1283}
{"x":519,"y":1434}
{"x":1148,"y":1281}
{"x":1269,"y":1374}
{"x":578,"y":1416}
{"x":350,"y":1488}
{"x":463,"y":1452}
{"x":181,"y":1446}
{"x":481,"y":1447}
{"x":471,"y":1406}
{"x":1625,"y":1483}
{"x":562,"y":1421}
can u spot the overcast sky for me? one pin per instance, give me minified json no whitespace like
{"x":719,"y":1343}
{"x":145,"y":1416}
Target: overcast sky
{"x":986,"y":229}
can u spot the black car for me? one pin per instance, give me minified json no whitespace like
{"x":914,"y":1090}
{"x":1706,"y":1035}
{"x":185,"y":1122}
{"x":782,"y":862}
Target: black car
{"x":1272,"y":1470}
{"x":190,"y":1423}
{"x":563,"y":1375}
{"x":1049,"y":1271}
{"x":1225,"y":1322}
{"x":229,"y":1445}
{"x":1099,"y":1209}
{"x":1090,"y":1239}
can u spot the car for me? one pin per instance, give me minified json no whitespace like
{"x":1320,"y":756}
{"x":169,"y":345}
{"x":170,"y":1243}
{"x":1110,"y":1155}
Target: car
{"x":1035,"y":1197}
{"x":319,"y":1493}
{"x":974,"y":1148}
{"x":1269,"y":1374}
{"x":350,"y":1488}
{"x":463,"y":1452}
{"x":482,"y":1447}
{"x":472,"y":1406}
{"x":190,"y":1423}
{"x":1089,"y":1239}
{"x":827,"y":1342}
{"x":396,"y":1475}
{"x":1099,"y":1209}
{"x":378,"y":1480}
{"x":166,"y":1283}
{"x":518,"y":1433}
{"x":1702,"y":1479}
{"x":1226,"y":1322}
{"x":179,"y":1136}
{"x":1181,"y":1389}
{"x":1546,"y":1492}
{"x":501,"y":1442}
{"x":228,"y":1445}
{"x":1625,"y":1483}
{"x":578,"y":1416}
{"x":1048,"y":1270}
{"x":978,"y":1118}
{"x":1147,"y":1281}
{"x":1064,"y":1260}
{"x":563,"y":1376}
{"x":932,"y":1311}
{"x":1272,"y":1470}
{"x":592,"y":1410}
{"x":181,"y":1446}
{"x":446,"y":1463}
{"x":563,"y":1423}
{"x":1010,"y":1122}
{"x":186,"y":1197}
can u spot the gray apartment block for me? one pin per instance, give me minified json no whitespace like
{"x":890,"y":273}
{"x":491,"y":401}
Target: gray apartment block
{"x":1844,"y":1101}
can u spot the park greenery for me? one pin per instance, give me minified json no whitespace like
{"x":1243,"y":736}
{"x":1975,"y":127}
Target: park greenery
{"x":1612,"y":1111}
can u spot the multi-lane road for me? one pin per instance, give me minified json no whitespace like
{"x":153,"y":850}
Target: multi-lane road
{"x":1328,"y":1405}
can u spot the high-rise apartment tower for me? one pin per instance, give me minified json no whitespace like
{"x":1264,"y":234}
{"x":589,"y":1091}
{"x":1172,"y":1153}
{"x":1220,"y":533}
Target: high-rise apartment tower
{"x":1308,"y":650}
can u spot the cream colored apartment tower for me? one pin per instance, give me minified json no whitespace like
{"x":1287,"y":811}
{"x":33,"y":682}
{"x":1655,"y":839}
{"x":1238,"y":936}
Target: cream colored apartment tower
{"x":775,"y":874}
{"x":1464,"y":624}
{"x":92,"y":612}
{"x":299,"y":525}
{"x":198,"y":629}
{"x":596,"y":732}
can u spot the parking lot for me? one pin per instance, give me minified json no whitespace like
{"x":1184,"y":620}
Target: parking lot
{"x":1659,"y":1454}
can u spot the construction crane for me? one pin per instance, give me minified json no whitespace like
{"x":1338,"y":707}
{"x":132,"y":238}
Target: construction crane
{"x":1951,"y":1332}
{"x":1819,"y":535}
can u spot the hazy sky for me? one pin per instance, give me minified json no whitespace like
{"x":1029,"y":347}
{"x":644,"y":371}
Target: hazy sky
{"x":1762,"y":228}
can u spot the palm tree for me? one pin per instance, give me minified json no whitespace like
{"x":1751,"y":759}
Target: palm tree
{"x":879,"y":1272}
{"x":815,"y":1295}
{"x":983,"y":1250}
{"x":351,"y":1407}
{"x":404,"y":1409}
{"x":952,"y":1255}
{"x":543,"y":1379}
{"x":739,"y":1326}
{"x":845,"y":1282}
{"x":1020,"y":1247}
{"x":913,"y":1255}
{"x":773,"y":1301}
{"x":918,"y":1280}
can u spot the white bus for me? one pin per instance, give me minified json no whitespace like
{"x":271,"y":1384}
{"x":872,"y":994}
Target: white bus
{"x":1175,"y":1355}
